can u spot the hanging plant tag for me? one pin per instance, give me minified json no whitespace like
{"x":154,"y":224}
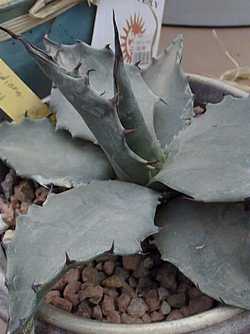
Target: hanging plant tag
{"x":139,"y":25}
{"x":17,"y":99}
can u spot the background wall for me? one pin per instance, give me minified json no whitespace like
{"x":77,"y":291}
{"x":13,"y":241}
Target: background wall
{"x":202,"y":52}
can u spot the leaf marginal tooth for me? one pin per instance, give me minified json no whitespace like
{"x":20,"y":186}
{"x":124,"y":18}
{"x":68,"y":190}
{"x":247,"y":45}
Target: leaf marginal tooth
{"x":163,"y":100}
{"x":114,"y":99}
{"x":47,"y":39}
{"x":129,"y":131}
{"x":77,"y":68}
{"x":137,"y":64}
{"x":150,"y":167}
{"x":152,"y":162}
{"x":56,"y":56}
{"x":87,"y":75}
{"x":36,"y":287}
{"x":68,"y":260}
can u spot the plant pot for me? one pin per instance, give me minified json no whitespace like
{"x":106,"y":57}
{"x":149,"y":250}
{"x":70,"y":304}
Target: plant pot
{"x":216,"y":321}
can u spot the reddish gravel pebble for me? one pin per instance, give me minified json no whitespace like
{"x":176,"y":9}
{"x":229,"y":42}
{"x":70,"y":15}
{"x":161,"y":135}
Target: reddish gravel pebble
{"x":120,"y":272}
{"x":132,"y":281}
{"x":146,"y":318}
{"x":114,"y":317}
{"x":108,"y":305}
{"x":89,"y":274}
{"x":99,"y":277}
{"x":72,"y":275}
{"x":165,"y":308}
{"x":174,"y":315}
{"x":177,"y":300}
{"x":94,"y":293}
{"x":145,"y":282}
{"x":61,"y":303}
{"x":7,"y":213}
{"x":200,"y":304}
{"x":71,"y":292}
{"x":85,"y":285}
{"x":137,"y":307}
{"x":194,"y":292}
{"x":168,"y":281}
{"x":60,"y":284}
{"x":113,"y":281}
{"x":148,"y":262}
{"x":152,"y":299}
{"x":111,"y":292}
{"x":97,"y":313}
{"x":131,"y":262}
{"x":167,"y":276}
{"x":163,"y":293}
{"x":8,"y":183}
{"x":109,"y":267}
{"x":41,"y":195}
{"x":140,"y":271}
{"x":99,"y":266}
{"x":198,"y":111}
{"x":185,"y":311}
{"x":17,"y":194}
{"x":84,"y":310}
{"x":24,"y":207}
{"x":128,"y":289}
{"x":24,"y":192}
{"x":183,"y":287}
{"x":157,"y":316}
{"x":123,"y":302}
{"x":50,"y":295}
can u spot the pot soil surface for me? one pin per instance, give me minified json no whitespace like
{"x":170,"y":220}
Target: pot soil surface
{"x":117,"y":289}
{"x":128,"y":289}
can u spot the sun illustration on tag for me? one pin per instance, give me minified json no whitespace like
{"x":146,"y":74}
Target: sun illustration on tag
{"x":133,"y":29}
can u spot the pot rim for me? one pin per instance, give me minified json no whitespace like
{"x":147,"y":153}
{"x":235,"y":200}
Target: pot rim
{"x":217,"y":83}
{"x":78,"y":325}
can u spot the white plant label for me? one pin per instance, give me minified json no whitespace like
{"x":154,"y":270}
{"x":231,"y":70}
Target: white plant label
{"x":139,"y":25}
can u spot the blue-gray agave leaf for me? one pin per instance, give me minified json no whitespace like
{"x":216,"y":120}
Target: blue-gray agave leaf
{"x":101,"y":80}
{"x":161,"y":92}
{"x":34,"y":149}
{"x":210,"y":159}
{"x":67,"y":118}
{"x":210,"y":244}
{"x":141,"y":140}
{"x":80,"y":53}
{"x":99,"y":113}
{"x":166,"y":79}
{"x":83,"y":222}
{"x":135,"y":101}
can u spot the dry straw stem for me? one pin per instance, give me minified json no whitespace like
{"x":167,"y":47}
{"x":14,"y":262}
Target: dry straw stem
{"x":234,"y":76}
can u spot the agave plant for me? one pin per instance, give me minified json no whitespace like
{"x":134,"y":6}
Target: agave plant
{"x":124,"y":139}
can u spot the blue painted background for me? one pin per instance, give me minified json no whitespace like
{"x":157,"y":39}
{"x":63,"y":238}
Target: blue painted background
{"x":77,"y":23}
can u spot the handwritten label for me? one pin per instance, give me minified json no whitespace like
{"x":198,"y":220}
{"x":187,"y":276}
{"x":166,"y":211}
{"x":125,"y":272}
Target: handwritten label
{"x":16,"y":99}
